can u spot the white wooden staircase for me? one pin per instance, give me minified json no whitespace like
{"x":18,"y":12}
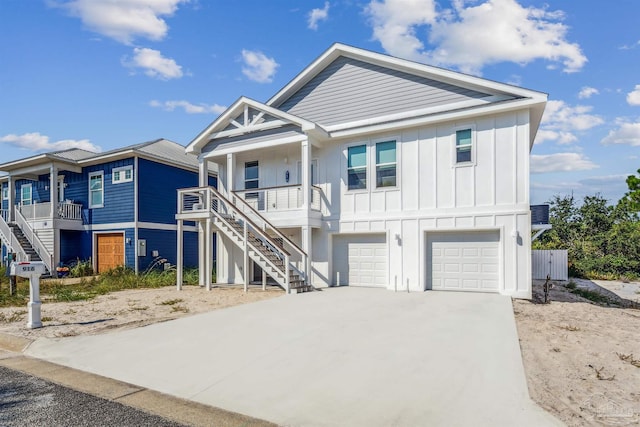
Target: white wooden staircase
{"x":279,"y":257}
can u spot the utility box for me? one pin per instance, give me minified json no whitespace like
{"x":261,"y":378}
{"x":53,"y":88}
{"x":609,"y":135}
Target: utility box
{"x":142,"y":247}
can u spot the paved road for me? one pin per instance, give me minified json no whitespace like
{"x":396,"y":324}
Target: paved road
{"x":29,"y":401}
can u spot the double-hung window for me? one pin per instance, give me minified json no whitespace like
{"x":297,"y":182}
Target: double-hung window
{"x":386,"y":164}
{"x":251,"y":177}
{"x":5,"y":193}
{"x":123,"y":174}
{"x":96,"y":189}
{"x":464,"y":146}
{"x":25,"y":194}
{"x":357,"y":167}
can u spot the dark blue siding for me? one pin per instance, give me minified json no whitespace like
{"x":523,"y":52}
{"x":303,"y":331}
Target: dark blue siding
{"x":157,"y":190}
{"x":73,"y":245}
{"x":118,"y":198}
{"x":39,"y":189}
{"x":76,"y":187}
{"x":164,"y":241}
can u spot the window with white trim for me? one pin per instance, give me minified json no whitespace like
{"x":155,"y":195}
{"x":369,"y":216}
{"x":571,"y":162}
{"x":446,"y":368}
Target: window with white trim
{"x":386,"y":164}
{"x":251,"y":177}
{"x":123,"y":174}
{"x":26,"y":194}
{"x":5,"y":193}
{"x":464,"y":146}
{"x":96,"y":189}
{"x":357,"y":167}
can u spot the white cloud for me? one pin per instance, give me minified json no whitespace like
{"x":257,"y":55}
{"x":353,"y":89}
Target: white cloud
{"x":317,"y":15}
{"x":560,"y":162}
{"x":258,"y":67}
{"x":633,"y":97}
{"x":124,"y":20}
{"x":154,"y":64}
{"x":34,"y":141}
{"x":188,"y":107}
{"x":587,"y":92}
{"x":560,"y":122}
{"x":460,"y":36}
{"x":626,"y":133}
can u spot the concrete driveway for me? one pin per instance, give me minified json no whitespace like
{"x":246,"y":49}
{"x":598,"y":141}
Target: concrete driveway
{"x":343,"y":356}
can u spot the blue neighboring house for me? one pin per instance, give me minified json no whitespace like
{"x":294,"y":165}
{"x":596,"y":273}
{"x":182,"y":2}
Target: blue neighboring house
{"x":115,"y":208}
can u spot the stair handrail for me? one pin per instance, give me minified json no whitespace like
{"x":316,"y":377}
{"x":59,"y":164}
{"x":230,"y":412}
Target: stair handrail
{"x":10,"y":240}
{"x":35,"y":241}
{"x":266,"y":224}
{"x":260,"y":232}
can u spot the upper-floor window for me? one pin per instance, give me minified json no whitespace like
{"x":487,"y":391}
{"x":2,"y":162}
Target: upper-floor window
{"x":25,"y":194}
{"x":251,"y":177}
{"x":386,"y":164}
{"x":357,"y":167}
{"x":96,"y":189}
{"x":464,"y":145}
{"x":123,"y":174}
{"x":5,"y":193}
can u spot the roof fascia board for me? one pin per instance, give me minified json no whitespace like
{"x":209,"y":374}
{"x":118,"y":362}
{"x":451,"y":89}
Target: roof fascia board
{"x":437,"y":118}
{"x":168,"y":162}
{"x":428,"y":71}
{"x":416,"y":113}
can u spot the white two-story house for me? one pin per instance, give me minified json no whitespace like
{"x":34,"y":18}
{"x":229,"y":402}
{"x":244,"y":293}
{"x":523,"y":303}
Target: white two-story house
{"x":369,"y":170}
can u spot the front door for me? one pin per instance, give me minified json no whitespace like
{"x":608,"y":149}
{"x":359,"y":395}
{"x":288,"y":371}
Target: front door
{"x":110,"y":251}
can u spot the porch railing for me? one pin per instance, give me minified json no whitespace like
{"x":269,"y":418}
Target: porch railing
{"x":66,"y":210}
{"x":9,"y":238}
{"x":271,"y":199}
{"x":35,"y":241}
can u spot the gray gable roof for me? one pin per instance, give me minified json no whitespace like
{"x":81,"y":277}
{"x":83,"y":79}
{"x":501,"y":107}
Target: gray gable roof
{"x":349,"y":89}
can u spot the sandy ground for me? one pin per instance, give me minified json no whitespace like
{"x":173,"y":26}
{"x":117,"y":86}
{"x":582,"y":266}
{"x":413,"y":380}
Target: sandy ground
{"x":127,"y":309}
{"x":582,"y":359}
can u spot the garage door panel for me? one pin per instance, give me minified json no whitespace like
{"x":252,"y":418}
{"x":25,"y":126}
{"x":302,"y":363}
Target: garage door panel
{"x":362,"y":258}
{"x":463,"y":261}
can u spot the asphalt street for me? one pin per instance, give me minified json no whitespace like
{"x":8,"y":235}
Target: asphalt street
{"x":29,"y":401}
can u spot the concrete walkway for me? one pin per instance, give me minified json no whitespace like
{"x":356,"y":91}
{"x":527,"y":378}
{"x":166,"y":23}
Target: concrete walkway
{"x":356,"y":357}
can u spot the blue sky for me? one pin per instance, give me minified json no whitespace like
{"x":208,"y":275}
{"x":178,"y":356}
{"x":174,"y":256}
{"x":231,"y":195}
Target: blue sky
{"x":102,"y":74}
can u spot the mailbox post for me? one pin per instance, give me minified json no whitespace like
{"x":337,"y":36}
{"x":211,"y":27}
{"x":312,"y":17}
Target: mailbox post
{"x":31,"y":270}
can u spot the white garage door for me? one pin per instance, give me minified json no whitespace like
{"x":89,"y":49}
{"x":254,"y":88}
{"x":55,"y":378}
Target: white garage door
{"x":463,"y":261}
{"x":360,"y":259}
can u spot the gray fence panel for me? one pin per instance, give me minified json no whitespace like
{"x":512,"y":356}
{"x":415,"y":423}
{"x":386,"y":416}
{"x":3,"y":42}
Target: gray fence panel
{"x":554,"y":263}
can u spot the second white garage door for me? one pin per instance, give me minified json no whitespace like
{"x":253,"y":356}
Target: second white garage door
{"x":463,"y":261}
{"x":361,"y":259}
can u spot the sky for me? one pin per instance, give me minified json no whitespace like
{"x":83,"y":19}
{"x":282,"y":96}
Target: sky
{"x":104,"y":74}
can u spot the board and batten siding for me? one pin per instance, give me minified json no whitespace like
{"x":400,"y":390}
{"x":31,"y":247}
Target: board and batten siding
{"x":349,"y":90}
{"x":554,"y":263}
{"x":429,"y":181}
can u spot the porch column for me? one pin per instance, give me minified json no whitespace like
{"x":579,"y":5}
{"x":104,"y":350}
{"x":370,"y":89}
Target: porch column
{"x":179,"y":252}
{"x":231,"y":161}
{"x":12,"y":196}
{"x":306,"y":174}
{"x":208,"y":253}
{"x":53,"y":190}
{"x":202,"y":253}
{"x":307,"y":248}
{"x":203,"y":176}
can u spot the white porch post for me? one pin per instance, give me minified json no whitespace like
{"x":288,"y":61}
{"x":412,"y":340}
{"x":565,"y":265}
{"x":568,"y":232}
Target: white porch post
{"x":53,"y":190}
{"x":231,"y":160}
{"x":208,"y":253}
{"x":203,"y":176}
{"x":12,"y":194}
{"x":179,"y":260}
{"x":306,"y":175}
{"x":307,"y":248}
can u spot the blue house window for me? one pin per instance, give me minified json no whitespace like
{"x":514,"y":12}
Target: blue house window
{"x":123,"y":174}
{"x":357,"y":167}
{"x":25,"y":194}
{"x":5,"y":193}
{"x":386,"y":164}
{"x":96,"y":189}
{"x":463,"y":146}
